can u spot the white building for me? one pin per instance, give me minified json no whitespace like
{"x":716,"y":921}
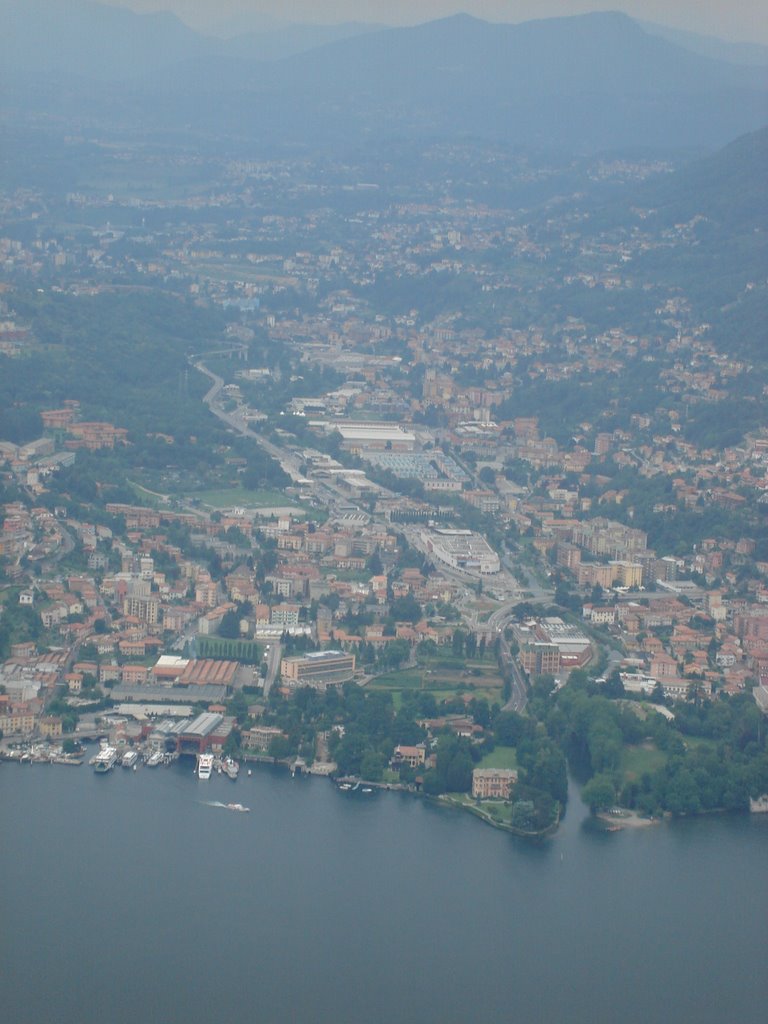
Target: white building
{"x":462,"y":549}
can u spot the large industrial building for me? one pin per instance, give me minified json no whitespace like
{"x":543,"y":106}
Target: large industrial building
{"x":318,"y":669}
{"x":551,"y":646}
{"x":369,"y":436}
{"x":463,"y":550}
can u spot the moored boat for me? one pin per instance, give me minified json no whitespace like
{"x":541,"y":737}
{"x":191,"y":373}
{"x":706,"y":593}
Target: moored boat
{"x":204,"y":766}
{"x":105,"y":760}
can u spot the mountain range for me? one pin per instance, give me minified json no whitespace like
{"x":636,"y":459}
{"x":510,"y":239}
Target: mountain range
{"x":94,"y":40}
{"x":720,"y":203}
{"x":584,"y":83}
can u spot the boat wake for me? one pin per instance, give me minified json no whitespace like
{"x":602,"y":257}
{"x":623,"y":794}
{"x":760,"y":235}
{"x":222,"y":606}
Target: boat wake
{"x":227,"y":807}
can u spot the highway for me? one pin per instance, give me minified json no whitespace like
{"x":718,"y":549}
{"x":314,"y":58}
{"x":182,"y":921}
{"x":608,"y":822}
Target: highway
{"x":518,"y":697}
{"x":539,"y":594}
{"x":273,"y":664}
{"x":289,"y":463}
{"x":519,"y":692}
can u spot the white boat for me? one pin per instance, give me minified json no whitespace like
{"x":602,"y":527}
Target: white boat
{"x":237,"y":807}
{"x":105,"y":760}
{"x":130,"y":757}
{"x":204,"y":766}
{"x":155,"y":759}
{"x":231,"y":767}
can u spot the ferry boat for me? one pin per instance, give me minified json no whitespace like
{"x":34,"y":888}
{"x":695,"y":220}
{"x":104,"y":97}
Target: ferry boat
{"x":130,"y":757}
{"x":204,"y":766}
{"x":155,"y":759}
{"x":105,"y":760}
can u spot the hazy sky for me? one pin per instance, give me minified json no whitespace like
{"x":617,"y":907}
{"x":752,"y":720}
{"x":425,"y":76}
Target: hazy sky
{"x":730,"y":19}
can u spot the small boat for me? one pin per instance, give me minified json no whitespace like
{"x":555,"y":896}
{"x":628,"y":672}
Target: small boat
{"x":232,"y":768}
{"x":367,"y":789}
{"x":238,"y":807}
{"x":250,"y":773}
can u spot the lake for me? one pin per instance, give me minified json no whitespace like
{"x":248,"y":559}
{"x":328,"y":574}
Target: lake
{"x":128,"y":897}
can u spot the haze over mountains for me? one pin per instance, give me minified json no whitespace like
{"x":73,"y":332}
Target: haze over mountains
{"x":94,"y":40}
{"x":586,"y":82}
{"x":723,"y":201}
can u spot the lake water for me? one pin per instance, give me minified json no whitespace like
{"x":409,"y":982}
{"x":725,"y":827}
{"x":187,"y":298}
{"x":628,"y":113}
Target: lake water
{"x":128,"y":898}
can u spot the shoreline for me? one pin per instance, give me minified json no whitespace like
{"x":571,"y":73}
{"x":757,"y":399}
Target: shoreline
{"x":626,"y":819}
{"x":449,"y":801}
{"x":616,"y":822}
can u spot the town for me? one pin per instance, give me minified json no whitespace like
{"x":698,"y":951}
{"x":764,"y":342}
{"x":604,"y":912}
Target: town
{"x":413,"y":470}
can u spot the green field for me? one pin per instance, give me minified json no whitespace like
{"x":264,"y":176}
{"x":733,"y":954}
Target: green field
{"x":501,"y":757}
{"x":694,"y":742}
{"x":407,"y":680}
{"x":480,"y":692}
{"x":151,"y":498}
{"x":639,"y":759}
{"x":493,"y":810}
{"x":223,"y":648}
{"x":483,"y":608}
{"x":445,"y":677}
{"x":231,"y":496}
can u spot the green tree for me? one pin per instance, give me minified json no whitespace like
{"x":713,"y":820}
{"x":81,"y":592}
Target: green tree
{"x":523,"y":814}
{"x":599,"y":793}
{"x":372,"y":766}
{"x":457,"y":643}
{"x":229,"y":627}
{"x":374,"y":564}
{"x":470,"y":645}
{"x":350,"y":752}
{"x":279,"y":748}
{"x":405,"y":609}
{"x":238,"y":706}
{"x":395,"y":653}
